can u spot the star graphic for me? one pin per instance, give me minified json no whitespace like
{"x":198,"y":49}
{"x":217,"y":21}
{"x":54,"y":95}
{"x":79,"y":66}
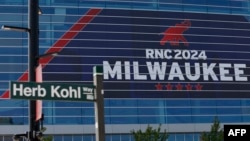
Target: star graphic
{"x":198,"y":86}
{"x":178,"y":86}
{"x":188,"y":86}
{"x":158,"y":86}
{"x":169,"y":86}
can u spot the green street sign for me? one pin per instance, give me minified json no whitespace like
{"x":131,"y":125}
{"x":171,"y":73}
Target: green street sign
{"x":51,"y":91}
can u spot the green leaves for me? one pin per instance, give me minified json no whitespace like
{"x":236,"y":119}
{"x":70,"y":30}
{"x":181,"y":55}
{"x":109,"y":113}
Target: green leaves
{"x":150,"y":134}
{"x":215,"y":134}
{"x":46,"y":138}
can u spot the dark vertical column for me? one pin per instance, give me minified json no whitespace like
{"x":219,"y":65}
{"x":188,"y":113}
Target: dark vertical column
{"x":33,"y":63}
{"x":99,"y":104}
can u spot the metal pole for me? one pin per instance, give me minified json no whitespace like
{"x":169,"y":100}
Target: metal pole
{"x":33,"y":61}
{"x":99,"y":104}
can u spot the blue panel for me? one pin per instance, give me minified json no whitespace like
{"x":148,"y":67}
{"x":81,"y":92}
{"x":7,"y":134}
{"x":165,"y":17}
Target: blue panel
{"x":120,"y":42}
{"x":126,"y":34}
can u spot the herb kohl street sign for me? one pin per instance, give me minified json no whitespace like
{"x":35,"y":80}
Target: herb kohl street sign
{"x":51,"y":91}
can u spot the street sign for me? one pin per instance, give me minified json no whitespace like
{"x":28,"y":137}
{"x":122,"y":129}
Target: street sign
{"x":51,"y":91}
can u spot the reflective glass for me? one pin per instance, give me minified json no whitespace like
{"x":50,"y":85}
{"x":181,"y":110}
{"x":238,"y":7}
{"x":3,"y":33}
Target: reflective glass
{"x":170,"y":5}
{"x":58,"y":138}
{"x":230,"y":118}
{"x":189,"y":137}
{"x":58,"y":17}
{"x":179,"y":119}
{"x":88,"y":138}
{"x":179,"y":137}
{"x":77,"y":138}
{"x":125,"y":137}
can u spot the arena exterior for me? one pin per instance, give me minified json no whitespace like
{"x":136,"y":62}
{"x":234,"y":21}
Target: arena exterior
{"x":170,"y":62}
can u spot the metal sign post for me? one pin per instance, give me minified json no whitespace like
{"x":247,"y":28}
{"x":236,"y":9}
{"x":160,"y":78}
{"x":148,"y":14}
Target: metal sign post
{"x":33,"y":62}
{"x":99,"y":103}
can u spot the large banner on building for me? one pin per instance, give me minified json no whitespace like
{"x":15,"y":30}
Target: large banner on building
{"x":156,"y":54}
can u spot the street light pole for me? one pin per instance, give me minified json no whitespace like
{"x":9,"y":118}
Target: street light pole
{"x":33,"y":62}
{"x":33,"y":57}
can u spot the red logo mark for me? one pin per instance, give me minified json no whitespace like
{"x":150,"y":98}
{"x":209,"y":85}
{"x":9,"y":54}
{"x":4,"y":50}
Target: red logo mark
{"x":174,"y":34}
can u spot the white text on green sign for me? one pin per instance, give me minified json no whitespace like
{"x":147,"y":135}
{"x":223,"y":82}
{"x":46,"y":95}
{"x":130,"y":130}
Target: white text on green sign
{"x":51,"y":91}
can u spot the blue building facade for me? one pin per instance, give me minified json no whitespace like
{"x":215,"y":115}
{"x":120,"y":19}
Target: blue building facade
{"x":179,"y":63}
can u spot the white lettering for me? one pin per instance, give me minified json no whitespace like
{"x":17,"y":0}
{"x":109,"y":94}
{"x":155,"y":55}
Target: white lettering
{"x":157,"y":70}
{"x":54,"y":91}
{"x":27,"y":91}
{"x":239,"y":72}
{"x":197,"y":73}
{"x":175,"y":71}
{"x":117,"y":70}
{"x":224,"y":73}
{"x":231,"y":132}
{"x":41,"y":91}
{"x":127,"y":70}
{"x":137,"y":75}
{"x":17,"y":89}
{"x":208,"y":71}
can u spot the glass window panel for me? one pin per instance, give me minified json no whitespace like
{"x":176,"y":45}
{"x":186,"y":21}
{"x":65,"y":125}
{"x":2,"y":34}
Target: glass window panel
{"x":115,"y":138}
{"x":245,"y":118}
{"x":150,"y":103}
{"x":68,"y":104}
{"x":189,"y":137}
{"x":68,"y":111}
{"x":124,"y":120}
{"x":203,"y":111}
{"x":196,"y":137}
{"x":13,"y":9}
{"x":58,"y":138}
{"x":228,"y":103}
{"x":88,"y":120}
{"x":229,"y":110}
{"x":69,"y":120}
{"x":151,"y":119}
{"x":88,"y":137}
{"x":177,"y":103}
{"x":171,"y":137}
{"x":178,"y":111}
{"x":77,"y":138}
{"x":91,"y":3}
{"x":239,"y":7}
{"x":125,"y":137}
{"x":68,"y":2}
{"x":230,"y":119}
{"x":149,"y":4}
{"x":123,"y":103}
{"x":179,"y":137}
{"x":170,"y":4}
{"x":220,"y":6}
{"x":108,"y":137}
{"x":123,"y":111}
{"x":218,"y":2}
{"x":199,"y":103}
{"x":120,"y":4}
{"x":8,"y":138}
{"x":245,"y":102}
{"x":194,"y":5}
{"x":179,"y":119}
{"x":203,"y":119}
{"x":151,"y":111}
{"x":88,"y":111}
{"x":67,"y":138}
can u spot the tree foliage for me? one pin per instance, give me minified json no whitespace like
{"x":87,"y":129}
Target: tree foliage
{"x":216,"y":132}
{"x":150,"y":134}
{"x":46,"y":138}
